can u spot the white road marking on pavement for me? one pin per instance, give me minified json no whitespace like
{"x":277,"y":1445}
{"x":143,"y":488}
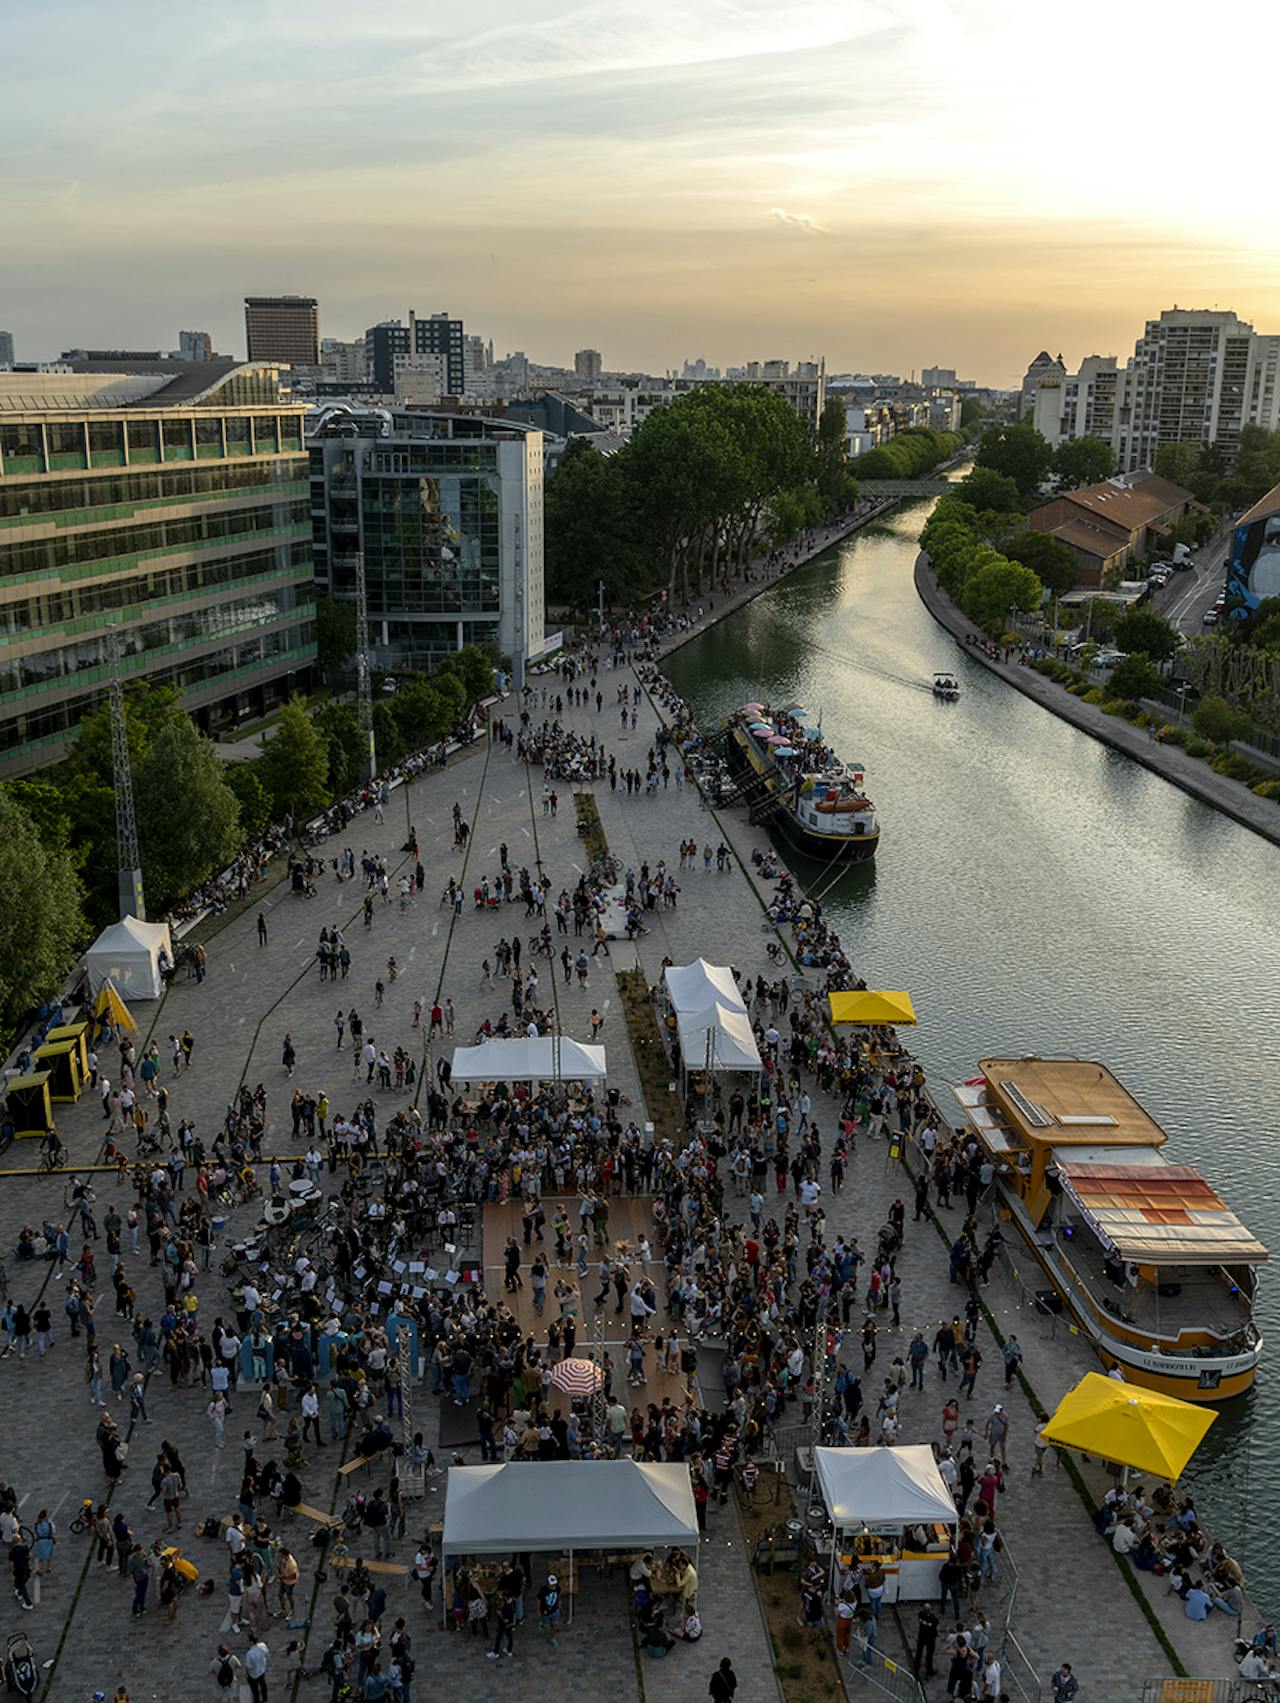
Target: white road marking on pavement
{"x":22,"y":1504}
{"x":53,"y":1513}
{"x":435,"y":929}
{"x":298,"y":943}
{"x":577,"y":866}
{"x":526,"y":833}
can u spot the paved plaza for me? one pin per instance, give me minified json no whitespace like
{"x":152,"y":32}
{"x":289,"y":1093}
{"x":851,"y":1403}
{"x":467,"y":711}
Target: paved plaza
{"x":1072,"y":1602}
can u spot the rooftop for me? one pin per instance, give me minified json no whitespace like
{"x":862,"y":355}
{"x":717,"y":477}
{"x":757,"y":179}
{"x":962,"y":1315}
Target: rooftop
{"x":1068,"y":1102}
{"x":128,"y":382}
{"x":1131,"y":503}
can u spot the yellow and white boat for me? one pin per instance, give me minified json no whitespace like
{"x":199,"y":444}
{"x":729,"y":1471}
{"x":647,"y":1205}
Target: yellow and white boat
{"x":1150,"y":1263}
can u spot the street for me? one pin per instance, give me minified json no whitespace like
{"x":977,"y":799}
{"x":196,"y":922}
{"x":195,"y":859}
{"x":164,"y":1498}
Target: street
{"x":1190,"y":592}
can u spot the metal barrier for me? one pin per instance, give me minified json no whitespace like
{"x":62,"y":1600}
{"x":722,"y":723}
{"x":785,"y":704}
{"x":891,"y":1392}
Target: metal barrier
{"x":890,"y":1678}
{"x":1016,"y":1671}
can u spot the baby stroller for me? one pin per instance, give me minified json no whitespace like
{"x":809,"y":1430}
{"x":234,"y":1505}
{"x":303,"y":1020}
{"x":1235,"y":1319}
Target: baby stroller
{"x":21,"y":1670}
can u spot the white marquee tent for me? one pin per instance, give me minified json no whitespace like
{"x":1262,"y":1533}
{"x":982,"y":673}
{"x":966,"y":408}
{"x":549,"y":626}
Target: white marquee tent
{"x":884,"y":1487}
{"x":732,"y":1043}
{"x":128,"y":954}
{"x":523,"y":1059}
{"x":693,"y":987}
{"x":558,"y":1505}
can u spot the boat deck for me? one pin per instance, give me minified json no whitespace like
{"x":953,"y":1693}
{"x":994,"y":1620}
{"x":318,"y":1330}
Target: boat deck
{"x":1204,"y":1303}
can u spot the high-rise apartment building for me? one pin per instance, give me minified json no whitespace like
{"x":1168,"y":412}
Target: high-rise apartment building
{"x":6,"y":348}
{"x":283,"y":329}
{"x":475,"y":358}
{"x":194,"y":346}
{"x":1190,"y":382}
{"x":440,"y":335}
{"x":343,"y":362}
{"x":170,"y":501}
{"x":447,"y":509}
{"x":938,"y":378}
{"x":587,"y":365}
{"x":1081,"y":404}
{"x":1043,"y":370}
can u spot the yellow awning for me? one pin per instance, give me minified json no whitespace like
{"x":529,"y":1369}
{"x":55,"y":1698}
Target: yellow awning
{"x":1131,"y":1426}
{"x":868,"y":1008}
{"x":110,"y":1005}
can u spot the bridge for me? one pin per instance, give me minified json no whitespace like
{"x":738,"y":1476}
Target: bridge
{"x":903,"y":487}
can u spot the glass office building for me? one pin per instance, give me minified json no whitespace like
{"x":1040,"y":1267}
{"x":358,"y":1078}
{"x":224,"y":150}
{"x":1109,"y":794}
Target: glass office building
{"x":169,"y":502}
{"x":447,"y":509}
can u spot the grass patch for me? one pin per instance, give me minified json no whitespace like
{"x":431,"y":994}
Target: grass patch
{"x":584,"y":803}
{"x":804,"y":1662}
{"x":652,"y":1061}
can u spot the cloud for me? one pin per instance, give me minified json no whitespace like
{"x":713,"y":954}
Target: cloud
{"x":802,"y":221}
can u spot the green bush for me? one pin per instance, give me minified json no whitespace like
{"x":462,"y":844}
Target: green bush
{"x":1047,"y":665}
{"x":1078,"y":688}
{"x":1095,"y":695}
{"x":1216,"y":720}
{"x":1199,"y":748}
{"x":1266,"y":789}
{"x":1115,"y":706}
{"x":1233,"y":766}
{"x":1174,"y":736}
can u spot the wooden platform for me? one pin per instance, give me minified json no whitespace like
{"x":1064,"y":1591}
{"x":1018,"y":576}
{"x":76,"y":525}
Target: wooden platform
{"x":630,"y":1217}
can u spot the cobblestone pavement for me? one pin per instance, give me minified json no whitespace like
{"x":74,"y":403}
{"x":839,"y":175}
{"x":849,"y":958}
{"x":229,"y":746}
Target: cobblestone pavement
{"x":1072,"y":1602}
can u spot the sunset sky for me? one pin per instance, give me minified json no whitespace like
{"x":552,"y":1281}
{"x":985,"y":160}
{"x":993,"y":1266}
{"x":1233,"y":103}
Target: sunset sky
{"x":888,"y":183}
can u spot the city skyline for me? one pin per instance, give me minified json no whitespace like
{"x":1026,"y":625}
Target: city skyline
{"x":888,"y":186}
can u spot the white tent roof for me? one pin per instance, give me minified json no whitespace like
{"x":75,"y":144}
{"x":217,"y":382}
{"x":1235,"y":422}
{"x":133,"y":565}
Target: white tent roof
{"x":498,"y":1510}
{"x":528,"y":1060}
{"x":884,"y":1487}
{"x":693,"y":987}
{"x":126,"y":953}
{"x":734,"y":1044}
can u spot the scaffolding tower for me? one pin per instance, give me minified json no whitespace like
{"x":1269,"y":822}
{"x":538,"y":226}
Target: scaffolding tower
{"x":413,"y":1474}
{"x":128,"y":862}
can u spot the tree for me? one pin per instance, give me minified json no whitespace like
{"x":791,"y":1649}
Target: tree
{"x":347,"y":748}
{"x":1053,"y":564}
{"x":1213,"y":718}
{"x":591,"y":529}
{"x":832,"y":456}
{"x":988,"y":490}
{"x":1134,"y":677}
{"x":295,"y":765}
{"x":1019,"y":451}
{"x":42,"y":925}
{"x":1178,"y":463}
{"x":147,"y":710}
{"x":473,"y":668}
{"x":997,"y":588}
{"x":972,"y":411}
{"x":1143,"y":631}
{"x":1083,"y":461}
{"x":251,"y":797}
{"x":188,"y":817}
{"x":335,"y":634}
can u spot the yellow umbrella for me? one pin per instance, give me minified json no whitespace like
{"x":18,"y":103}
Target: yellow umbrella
{"x":110,"y":1004}
{"x":866,"y":1007}
{"x":1129,"y":1425}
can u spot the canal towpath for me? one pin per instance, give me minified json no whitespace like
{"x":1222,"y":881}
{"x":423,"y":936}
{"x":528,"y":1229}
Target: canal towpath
{"x":1190,"y":774}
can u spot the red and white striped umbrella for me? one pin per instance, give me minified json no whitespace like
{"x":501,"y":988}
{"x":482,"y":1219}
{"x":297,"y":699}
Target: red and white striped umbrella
{"x":577,"y":1377}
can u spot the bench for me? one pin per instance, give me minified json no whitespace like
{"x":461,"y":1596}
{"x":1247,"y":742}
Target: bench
{"x":316,"y":1514}
{"x":397,"y":1569}
{"x":357,"y":1461}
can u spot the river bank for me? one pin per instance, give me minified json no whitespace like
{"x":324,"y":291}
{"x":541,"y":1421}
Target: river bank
{"x":1260,"y":815}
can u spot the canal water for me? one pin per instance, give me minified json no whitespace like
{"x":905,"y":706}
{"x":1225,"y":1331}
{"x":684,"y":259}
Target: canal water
{"x":1039,"y":893}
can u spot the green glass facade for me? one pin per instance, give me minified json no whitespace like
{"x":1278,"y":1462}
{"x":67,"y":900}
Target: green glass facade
{"x":187,"y":528}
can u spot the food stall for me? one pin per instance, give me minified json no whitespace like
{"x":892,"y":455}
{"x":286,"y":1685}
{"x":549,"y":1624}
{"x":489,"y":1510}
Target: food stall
{"x":78,"y":1035}
{"x":27,"y":1104}
{"x":891,"y":1504}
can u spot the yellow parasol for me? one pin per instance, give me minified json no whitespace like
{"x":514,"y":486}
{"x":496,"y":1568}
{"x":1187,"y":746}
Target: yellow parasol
{"x":110,"y":1005}
{"x":870,"y":1008}
{"x":1132,"y":1426}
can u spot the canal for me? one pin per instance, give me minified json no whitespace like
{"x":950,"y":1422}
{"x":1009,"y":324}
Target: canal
{"x":1039,"y":893}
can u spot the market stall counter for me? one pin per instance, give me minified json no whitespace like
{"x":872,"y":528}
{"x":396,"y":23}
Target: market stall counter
{"x":891,"y":1505}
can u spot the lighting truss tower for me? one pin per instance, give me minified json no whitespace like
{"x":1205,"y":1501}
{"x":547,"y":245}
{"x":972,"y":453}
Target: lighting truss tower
{"x":129,"y":864}
{"x":364,"y":680}
{"x":598,"y":1403}
{"x":414,"y":1476}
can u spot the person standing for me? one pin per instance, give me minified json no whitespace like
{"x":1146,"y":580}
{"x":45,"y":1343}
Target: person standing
{"x":262,"y":928}
{"x":724,"y":1682}
{"x":226,"y":1670}
{"x":255,"y":1670}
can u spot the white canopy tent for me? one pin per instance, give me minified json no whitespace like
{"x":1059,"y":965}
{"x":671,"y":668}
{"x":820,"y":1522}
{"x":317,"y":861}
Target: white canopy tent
{"x":731,"y":1044}
{"x":694,"y":987}
{"x":523,"y":1059}
{"x":567,"y":1505}
{"x":891,"y":1504}
{"x":884,"y":1487}
{"x":128,"y":954}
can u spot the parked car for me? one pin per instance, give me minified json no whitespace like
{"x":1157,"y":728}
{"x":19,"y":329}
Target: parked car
{"x":1210,"y":618}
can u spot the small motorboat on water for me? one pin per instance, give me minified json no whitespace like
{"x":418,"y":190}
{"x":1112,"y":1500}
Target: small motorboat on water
{"x":946,"y":687}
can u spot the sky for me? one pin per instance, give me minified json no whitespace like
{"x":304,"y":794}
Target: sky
{"x":886,"y":183}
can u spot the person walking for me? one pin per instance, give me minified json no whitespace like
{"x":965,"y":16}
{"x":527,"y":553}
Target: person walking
{"x":724,"y":1682}
{"x":217,"y":1412}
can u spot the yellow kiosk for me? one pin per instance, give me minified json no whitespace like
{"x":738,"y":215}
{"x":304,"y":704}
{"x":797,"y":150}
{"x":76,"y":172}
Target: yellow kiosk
{"x":27,"y":1105}
{"x":78,"y":1034}
{"x":893,"y":1505}
{"x":62,"y":1061}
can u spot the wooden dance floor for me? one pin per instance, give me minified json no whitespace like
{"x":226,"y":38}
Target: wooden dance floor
{"x":630,"y":1217}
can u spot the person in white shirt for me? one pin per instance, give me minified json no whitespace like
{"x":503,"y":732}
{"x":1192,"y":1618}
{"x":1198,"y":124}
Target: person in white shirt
{"x":255,"y":1670}
{"x":1124,"y":1538}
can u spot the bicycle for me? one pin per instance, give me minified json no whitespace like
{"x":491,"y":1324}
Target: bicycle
{"x":53,"y":1156}
{"x":84,"y":1520}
